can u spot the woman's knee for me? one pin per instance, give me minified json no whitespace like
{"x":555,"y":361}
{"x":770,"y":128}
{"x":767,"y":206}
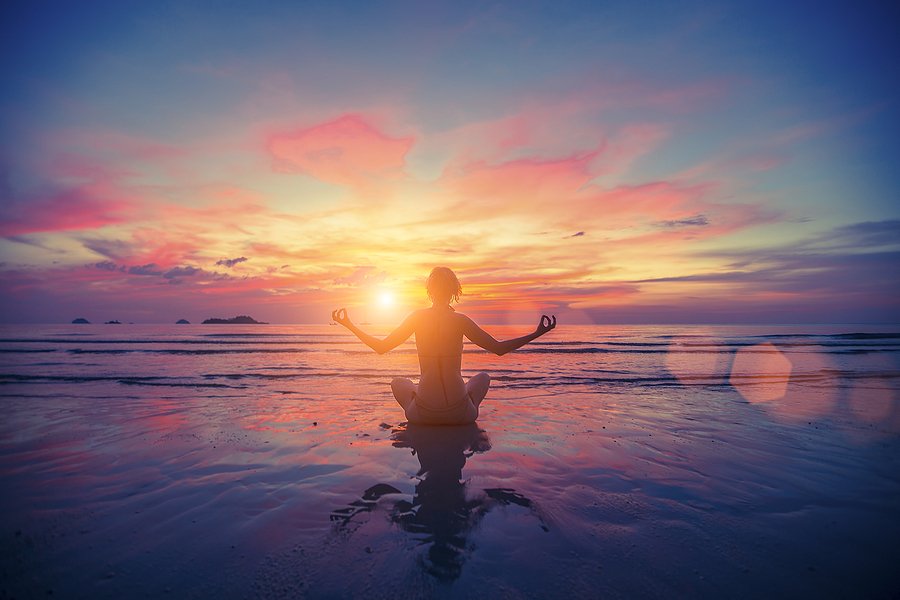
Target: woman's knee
{"x":403,"y":389}
{"x":482,"y":381}
{"x":478,"y":388}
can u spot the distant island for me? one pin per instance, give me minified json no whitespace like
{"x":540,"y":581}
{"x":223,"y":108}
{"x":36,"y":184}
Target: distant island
{"x":80,"y":321}
{"x":113,"y":322}
{"x":239,"y":320}
{"x":182,"y":322}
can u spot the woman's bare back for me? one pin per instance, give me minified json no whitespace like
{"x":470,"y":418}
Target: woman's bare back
{"x":441,"y":397}
{"x":439,"y":342}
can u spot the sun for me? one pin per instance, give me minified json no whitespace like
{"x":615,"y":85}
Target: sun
{"x":385,"y":299}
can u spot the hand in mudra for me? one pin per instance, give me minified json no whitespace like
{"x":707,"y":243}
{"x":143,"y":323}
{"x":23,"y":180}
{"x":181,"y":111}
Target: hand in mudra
{"x":340,"y":316}
{"x":546,"y":324}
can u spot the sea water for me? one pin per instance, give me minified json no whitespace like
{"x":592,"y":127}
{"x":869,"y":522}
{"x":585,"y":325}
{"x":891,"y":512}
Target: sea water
{"x":648,"y":460}
{"x":118,"y":361}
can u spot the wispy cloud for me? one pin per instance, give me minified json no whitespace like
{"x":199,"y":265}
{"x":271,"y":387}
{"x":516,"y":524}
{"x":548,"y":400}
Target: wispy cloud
{"x":230,"y":262}
{"x":695,"y":221}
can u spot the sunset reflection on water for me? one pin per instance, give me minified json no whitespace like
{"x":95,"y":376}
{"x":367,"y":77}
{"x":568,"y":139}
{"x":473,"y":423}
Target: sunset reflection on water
{"x":609,"y":447}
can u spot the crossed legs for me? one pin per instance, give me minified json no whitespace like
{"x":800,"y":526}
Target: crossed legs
{"x":476,"y":389}
{"x":403,"y":391}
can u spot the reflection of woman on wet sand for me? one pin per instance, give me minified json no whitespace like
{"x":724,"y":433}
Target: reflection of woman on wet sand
{"x":441,"y":516}
{"x":442,"y":397}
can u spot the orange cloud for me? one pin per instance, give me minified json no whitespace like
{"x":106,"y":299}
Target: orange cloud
{"x":530,"y":219}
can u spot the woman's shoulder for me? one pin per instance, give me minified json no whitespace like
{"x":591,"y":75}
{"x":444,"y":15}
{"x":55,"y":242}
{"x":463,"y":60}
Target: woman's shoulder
{"x":431,"y":313}
{"x":461,"y":318}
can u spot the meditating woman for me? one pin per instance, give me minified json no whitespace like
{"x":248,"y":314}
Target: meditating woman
{"x":442,"y":397}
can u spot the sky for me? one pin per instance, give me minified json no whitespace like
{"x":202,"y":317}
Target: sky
{"x":609,"y":162}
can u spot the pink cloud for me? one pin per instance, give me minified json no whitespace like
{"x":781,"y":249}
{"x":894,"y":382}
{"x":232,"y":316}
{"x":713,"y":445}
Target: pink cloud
{"x":653,"y":201}
{"x":86,"y":207}
{"x":561,"y":192}
{"x":166,"y":247}
{"x":581,"y":218}
{"x":565,"y":185}
{"x":626,"y":145}
{"x":519,"y":184}
{"x":545,"y":129}
{"x":347,"y":151}
{"x":171,"y":234}
{"x":220,"y":207}
{"x":92,"y":178}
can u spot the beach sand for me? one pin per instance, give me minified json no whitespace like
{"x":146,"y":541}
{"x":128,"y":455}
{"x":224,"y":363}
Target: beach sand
{"x":676,"y":492}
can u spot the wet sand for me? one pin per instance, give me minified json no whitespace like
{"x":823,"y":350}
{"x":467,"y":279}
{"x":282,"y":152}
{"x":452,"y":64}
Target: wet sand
{"x":674,"y":492}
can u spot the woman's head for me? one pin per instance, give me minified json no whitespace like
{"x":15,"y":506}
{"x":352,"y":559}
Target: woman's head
{"x":443,"y":286}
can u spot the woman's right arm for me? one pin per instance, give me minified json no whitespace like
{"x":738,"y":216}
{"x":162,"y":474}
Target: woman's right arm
{"x":482,"y":338}
{"x":394,"y":339}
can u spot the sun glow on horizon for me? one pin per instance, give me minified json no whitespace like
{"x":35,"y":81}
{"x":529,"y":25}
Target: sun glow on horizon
{"x":386,"y":299}
{"x":235,"y":179}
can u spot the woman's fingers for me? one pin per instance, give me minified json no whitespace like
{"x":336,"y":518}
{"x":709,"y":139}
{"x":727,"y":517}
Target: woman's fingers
{"x":548,"y":323}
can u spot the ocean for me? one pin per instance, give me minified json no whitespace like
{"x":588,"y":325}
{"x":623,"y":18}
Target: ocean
{"x":266,"y":460}
{"x":113,"y":361}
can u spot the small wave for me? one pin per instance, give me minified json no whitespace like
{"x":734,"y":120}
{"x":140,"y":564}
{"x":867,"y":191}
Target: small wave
{"x":179,"y":384}
{"x":304,"y":375}
{"x":190,"y":352}
{"x":230,"y":335}
{"x":846,"y":374}
{"x":569,"y":343}
{"x":26,"y":350}
{"x":840,"y":336}
{"x":835,"y":348}
{"x":149,"y":381}
{"x":68,"y":378}
{"x":294,"y":340}
{"x":637,"y":344}
{"x":868,"y":336}
{"x":271,"y":335}
{"x":593,"y":350}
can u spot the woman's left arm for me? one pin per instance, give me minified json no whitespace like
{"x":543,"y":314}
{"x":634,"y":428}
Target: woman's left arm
{"x":394,"y":339}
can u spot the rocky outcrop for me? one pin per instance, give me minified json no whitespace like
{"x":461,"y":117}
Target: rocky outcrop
{"x":238,"y":320}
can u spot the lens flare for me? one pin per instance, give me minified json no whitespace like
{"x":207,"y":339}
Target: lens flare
{"x":760,"y":373}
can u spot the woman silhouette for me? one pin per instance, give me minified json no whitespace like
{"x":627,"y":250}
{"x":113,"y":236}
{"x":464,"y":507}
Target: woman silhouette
{"x":442,"y":397}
